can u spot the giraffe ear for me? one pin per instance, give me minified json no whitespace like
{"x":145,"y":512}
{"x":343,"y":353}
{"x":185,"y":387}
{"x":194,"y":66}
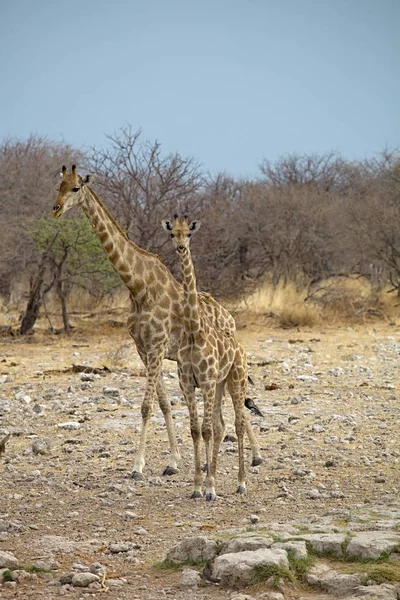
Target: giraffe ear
{"x":166,"y":225}
{"x":87,"y":179}
{"x":194,"y":226}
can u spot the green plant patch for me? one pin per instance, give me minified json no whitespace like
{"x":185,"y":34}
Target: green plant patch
{"x":300,"y":566}
{"x":264,"y":572}
{"x":379,"y":572}
{"x":34,"y":569}
{"x":7,"y":575}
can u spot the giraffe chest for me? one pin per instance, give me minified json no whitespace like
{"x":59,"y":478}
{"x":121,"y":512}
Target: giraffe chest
{"x":207,"y":357}
{"x":153,"y":329}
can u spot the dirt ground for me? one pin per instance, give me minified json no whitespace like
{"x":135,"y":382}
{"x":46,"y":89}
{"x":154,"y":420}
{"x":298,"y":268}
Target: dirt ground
{"x":330,"y":398}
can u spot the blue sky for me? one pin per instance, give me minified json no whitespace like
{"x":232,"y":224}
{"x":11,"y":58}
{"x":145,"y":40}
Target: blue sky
{"x":229,"y":82}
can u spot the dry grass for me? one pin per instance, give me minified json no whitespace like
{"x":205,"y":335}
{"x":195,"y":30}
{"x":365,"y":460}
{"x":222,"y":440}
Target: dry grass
{"x":333,"y":301}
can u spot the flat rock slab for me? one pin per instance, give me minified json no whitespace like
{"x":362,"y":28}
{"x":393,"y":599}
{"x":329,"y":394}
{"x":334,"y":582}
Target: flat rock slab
{"x":341,"y":584}
{"x":196,"y":549}
{"x":326,"y":543}
{"x":372,"y":544}
{"x":247,"y":541}
{"x":240,"y":568}
{"x":375,"y":592}
{"x":298,"y":548}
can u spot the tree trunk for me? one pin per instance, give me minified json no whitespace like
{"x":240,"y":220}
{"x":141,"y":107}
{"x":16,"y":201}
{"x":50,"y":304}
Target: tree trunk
{"x":65,"y":317}
{"x":34,"y":300}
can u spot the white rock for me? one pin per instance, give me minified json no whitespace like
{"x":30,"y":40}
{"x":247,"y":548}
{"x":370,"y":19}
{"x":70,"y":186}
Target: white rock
{"x":247,"y":541}
{"x":8,"y":560}
{"x":118,"y":547}
{"x":189,"y":578}
{"x":326,"y":543}
{"x":371,"y":544}
{"x":298,"y":548}
{"x":130,"y":515}
{"x":197,"y":549}
{"x":84,"y":579}
{"x":341,"y":584}
{"x":87,"y":377}
{"x":375,"y":592}
{"x":69,"y":425}
{"x":239,"y":569}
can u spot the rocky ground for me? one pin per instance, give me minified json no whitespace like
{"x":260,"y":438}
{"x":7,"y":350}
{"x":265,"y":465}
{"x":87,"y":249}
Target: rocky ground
{"x":73,"y":523}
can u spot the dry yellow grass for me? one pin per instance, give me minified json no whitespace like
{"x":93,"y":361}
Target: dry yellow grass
{"x":335,"y":300}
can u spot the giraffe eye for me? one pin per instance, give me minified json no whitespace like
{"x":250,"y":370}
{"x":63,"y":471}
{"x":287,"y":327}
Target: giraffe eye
{"x":189,"y":235}
{"x":172,"y":235}
{"x":76,"y":188}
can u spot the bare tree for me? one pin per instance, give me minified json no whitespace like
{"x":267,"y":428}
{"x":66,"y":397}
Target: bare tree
{"x":142,"y":186}
{"x":29,"y":172}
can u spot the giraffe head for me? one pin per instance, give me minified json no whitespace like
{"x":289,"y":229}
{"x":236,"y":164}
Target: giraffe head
{"x":70,"y":192}
{"x":181,"y":232}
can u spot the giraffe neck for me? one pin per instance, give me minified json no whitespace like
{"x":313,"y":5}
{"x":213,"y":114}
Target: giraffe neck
{"x":191,"y":314}
{"x":128,"y":260}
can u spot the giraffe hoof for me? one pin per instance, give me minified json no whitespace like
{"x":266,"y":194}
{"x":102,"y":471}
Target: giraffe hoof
{"x":241,"y":489}
{"x":204,"y":468}
{"x":210,"y":497}
{"x":170,"y":471}
{"x":257,"y":460}
{"x":137,"y":476}
{"x":196,"y":495}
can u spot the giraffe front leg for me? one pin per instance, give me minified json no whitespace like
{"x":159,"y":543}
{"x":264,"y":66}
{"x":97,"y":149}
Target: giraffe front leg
{"x":218,"y":427}
{"x":188,"y":390}
{"x":154,"y":363}
{"x":207,"y":434}
{"x":165,"y":405}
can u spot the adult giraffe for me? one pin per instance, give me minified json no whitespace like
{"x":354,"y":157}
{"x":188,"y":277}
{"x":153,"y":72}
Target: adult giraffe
{"x":156,"y":318}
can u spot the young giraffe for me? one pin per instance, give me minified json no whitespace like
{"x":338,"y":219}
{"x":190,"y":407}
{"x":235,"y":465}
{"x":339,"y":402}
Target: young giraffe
{"x":156,"y":318}
{"x":208,"y":359}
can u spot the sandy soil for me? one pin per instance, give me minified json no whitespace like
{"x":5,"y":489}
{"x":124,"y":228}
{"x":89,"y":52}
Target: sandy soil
{"x":330,"y":424}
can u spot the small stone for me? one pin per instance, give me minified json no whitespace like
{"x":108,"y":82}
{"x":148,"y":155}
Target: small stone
{"x":141,"y":531}
{"x":87,"y":377}
{"x":110,"y":391}
{"x":69,"y":425}
{"x":197,"y":549}
{"x":8,"y":560}
{"x":296,"y":400}
{"x":97,"y":568}
{"x":130,"y":515}
{"x":313,"y":494}
{"x":380,"y":479}
{"x":189,"y":578}
{"x":40,"y":447}
{"x":156,"y":481}
{"x":22,"y":576}
{"x":118,"y":547}
{"x":84,"y":579}
{"x":254,"y":519}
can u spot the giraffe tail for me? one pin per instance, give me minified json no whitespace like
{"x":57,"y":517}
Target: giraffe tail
{"x":250,"y":380}
{"x":250,"y":404}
